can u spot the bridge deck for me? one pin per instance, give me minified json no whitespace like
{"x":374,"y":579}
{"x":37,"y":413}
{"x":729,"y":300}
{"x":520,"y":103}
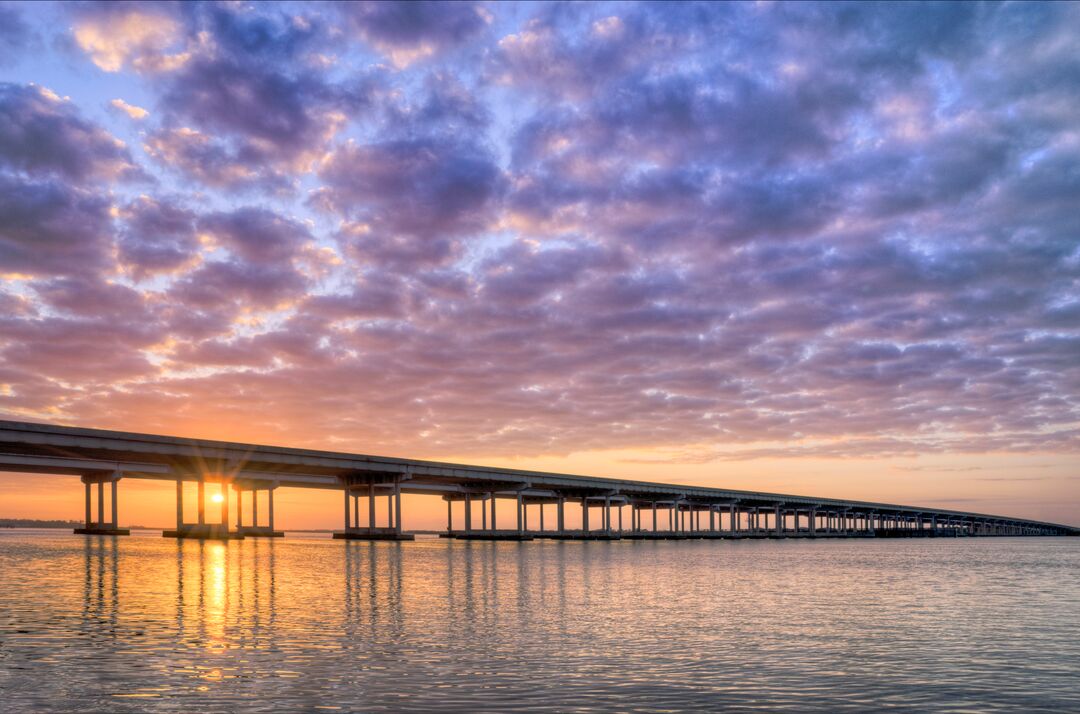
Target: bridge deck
{"x":102,"y":456}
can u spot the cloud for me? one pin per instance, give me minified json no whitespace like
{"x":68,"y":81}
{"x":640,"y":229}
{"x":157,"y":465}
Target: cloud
{"x":158,"y":236}
{"x":248,"y":107}
{"x":407,"y":201}
{"x":274,"y":116}
{"x":132,"y":111}
{"x":42,"y":134}
{"x":256,"y":235}
{"x":408,"y":31}
{"x":116,"y":35}
{"x":48,"y":228}
{"x":16,"y":36}
{"x":218,"y":283}
{"x":212,"y":162}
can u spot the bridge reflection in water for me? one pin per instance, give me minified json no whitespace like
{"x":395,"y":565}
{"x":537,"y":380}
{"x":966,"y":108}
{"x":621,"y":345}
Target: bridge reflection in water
{"x":108,"y":624}
{"x":372,"y":488}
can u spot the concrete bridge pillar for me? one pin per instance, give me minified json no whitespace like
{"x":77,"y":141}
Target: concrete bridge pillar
{"x":201,"y":529}
{"x":101,"y":527}
{"x":224,"y":505}
{"x":348,"y":511}
{"x":397,"y":506}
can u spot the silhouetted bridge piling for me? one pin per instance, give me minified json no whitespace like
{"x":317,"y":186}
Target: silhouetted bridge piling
{"x":372,"y":487}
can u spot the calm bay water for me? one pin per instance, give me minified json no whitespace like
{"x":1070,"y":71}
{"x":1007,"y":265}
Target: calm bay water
{"x":150,"y":624}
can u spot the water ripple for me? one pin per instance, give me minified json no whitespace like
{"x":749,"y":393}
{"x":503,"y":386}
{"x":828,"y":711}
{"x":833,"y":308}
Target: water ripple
{"x":149,"y":624}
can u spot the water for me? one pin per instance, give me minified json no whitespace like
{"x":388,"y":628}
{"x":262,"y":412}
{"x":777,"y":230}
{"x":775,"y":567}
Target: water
{"x":151,"y":624}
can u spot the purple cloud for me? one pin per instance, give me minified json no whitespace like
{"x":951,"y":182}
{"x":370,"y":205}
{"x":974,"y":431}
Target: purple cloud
{"x":49,"y":228}
{"x":43,"y":134}
{"x":406,"y":31}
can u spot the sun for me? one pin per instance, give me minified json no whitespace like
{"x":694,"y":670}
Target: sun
{"x":217,"y":498}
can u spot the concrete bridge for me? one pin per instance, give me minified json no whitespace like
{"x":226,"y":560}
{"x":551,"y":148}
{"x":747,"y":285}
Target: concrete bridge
{"x":539,"y":500}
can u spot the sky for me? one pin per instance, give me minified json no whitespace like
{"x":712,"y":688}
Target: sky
{"x":817,"y":248}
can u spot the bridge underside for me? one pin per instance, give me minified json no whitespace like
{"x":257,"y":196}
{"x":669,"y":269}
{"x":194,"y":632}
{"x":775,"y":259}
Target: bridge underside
{"x":609,"y":509}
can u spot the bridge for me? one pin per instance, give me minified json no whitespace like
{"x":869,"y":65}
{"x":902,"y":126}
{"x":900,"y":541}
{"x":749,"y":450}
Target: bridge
{"x":652,"y":510}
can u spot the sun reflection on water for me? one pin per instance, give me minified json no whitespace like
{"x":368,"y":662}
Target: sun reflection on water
{"x":448,"y":626}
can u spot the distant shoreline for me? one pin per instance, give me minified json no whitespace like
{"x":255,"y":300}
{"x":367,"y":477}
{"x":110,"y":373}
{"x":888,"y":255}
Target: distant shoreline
{"x":61,"y":524}
{"x":34,"y":523}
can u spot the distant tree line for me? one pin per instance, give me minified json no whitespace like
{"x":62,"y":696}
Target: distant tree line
{"x":35,"y":523}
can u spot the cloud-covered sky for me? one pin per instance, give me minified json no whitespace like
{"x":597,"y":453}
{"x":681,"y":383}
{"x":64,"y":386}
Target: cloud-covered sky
{"x":703,"y":233}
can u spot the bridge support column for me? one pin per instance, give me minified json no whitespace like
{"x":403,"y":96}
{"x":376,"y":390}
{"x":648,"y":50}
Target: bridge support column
{"x":560,"y":514}
{"x":397,"y":507}
{"x":255,"y":529}
{"x":224,"y":505}
{"x":392,"y":529}
{"x":179,"y":503}
{"x":371,"y":504}
{"x":348,"y":511}
{"x":101,"y":527}
{"x":202,"y":530}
